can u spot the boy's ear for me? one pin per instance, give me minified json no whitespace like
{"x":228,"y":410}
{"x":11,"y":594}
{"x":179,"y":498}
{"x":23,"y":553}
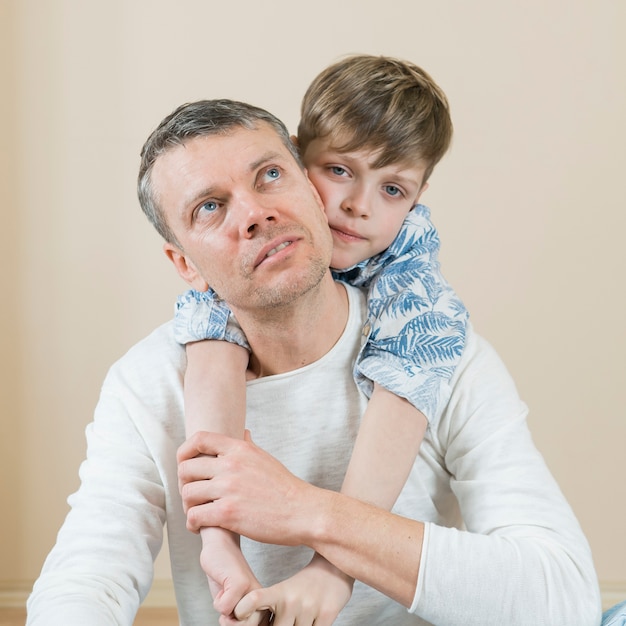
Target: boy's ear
{"x":185,"y":267}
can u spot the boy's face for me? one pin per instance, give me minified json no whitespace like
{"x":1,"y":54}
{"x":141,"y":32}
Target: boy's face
{"x":365,"y":206}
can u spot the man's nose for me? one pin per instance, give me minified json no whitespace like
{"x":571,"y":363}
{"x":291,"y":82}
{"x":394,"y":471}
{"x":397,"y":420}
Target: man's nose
{"x":255,"y":213}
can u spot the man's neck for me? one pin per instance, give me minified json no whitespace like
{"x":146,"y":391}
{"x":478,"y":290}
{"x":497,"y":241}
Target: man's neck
{"x":286,"y":338}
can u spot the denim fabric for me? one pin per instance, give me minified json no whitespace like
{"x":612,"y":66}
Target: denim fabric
{"x":615,"y":616}
{"x":203,"y":315}
{"x":415,"y":333}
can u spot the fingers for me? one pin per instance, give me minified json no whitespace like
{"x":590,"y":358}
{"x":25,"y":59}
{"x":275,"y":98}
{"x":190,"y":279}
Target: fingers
{"x":256,"y":600}
{"x":196,"y":469}
{"x":203,"y":516}
{"x":197,"y":457}
{"x":202,"y":442}
{"x":256,"y":619}
{"x":270,"y":600}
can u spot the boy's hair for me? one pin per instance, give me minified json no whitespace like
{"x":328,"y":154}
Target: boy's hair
{"x":381,"y":104}
{"x":197,"y":119}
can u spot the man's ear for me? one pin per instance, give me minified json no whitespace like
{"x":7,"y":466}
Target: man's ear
{"x":316,"y":196}
{"x":423,"y":188}
{"x":294,"y":141}
{"x":185,"y":267}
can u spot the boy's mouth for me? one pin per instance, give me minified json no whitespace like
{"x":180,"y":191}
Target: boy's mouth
{"x":346,"y":235}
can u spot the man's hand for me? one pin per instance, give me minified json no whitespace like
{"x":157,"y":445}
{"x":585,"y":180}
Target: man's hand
{"x":314,"y":595}
{"x":235,"y":485}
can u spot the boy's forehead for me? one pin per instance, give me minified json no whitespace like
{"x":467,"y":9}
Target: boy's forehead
{"x":347,"y":144}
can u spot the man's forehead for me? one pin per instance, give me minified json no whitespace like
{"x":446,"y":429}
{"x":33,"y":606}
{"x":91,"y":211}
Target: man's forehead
{"x":211,"y":162}
{"x":249,"y":145}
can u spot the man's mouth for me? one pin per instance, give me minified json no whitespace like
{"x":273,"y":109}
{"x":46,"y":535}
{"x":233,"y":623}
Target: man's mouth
{"x":278,"y":248}
{"x":275,"y":248}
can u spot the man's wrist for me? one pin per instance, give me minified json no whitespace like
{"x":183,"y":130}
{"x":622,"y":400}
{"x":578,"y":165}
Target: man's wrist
{"x":322,"y":531}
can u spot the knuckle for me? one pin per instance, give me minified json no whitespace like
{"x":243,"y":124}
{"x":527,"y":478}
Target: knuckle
{"x":185,"y":492}
{"x":182,"y":470}
{"x":193,"y":518}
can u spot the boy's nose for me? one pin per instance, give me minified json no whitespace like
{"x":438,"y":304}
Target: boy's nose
{"x":356,"y":204}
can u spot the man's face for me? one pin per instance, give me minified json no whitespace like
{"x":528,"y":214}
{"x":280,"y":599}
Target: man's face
{"x":365,"y":205}
{"x":249,"y":221}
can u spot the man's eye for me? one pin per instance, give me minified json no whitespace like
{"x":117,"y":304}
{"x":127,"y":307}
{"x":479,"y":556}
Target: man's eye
{"x":337,"y":170}
{"x":272,"y":174}
{"x":392,"y":190}
{"x":210,"y":206}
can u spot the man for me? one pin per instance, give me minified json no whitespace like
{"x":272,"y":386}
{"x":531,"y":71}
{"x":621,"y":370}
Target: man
{"x":481,"y":533}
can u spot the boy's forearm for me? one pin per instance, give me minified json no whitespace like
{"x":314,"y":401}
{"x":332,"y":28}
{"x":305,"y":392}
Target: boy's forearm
{"x":215,"y":392}
{"x":215,"y":401}
{"x":388,"y":441}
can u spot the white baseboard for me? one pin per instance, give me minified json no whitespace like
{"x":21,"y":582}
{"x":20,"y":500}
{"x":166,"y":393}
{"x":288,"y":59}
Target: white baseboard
{"x":612,"y":593}
{"x":13,"y":594}
{"x":161,"y":594}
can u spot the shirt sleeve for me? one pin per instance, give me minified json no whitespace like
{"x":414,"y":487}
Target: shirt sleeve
{"x":415,"y":333}
{"x":101,"y":567}
{"x":520,"y":557}
{"x":203,"y":315}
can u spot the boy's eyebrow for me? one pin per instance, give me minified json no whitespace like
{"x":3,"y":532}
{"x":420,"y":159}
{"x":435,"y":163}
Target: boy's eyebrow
{"x":406,"y":179}
{"x":398,"y":174}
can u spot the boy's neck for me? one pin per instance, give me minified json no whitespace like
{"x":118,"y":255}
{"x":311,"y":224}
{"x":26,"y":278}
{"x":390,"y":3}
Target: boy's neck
{"x":293,"y":336}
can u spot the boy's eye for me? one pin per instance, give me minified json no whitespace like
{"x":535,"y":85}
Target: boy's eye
{"x":337,"y":170}
{"x":392,"y":190}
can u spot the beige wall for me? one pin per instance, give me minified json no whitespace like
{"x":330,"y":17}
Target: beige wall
{"x":530,"y":205}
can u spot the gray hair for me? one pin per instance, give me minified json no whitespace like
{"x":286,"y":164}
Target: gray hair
{"x":197,"y":119}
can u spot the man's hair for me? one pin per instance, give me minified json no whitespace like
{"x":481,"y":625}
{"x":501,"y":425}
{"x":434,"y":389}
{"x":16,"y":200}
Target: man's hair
{"x":381,"y":104}
{"x":197,"y":119}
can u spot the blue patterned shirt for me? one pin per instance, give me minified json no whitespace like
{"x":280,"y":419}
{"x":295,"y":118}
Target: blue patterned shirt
{"x":415,"y":331}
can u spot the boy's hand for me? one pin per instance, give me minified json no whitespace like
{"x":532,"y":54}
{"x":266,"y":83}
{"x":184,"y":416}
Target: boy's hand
{"x":314,"y":595}
{"x":229,"y":575}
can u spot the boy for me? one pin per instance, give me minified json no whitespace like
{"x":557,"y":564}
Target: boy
{"x":372,"y":129}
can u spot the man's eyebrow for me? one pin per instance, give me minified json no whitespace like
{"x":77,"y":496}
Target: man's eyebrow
{"x":189,"y":202}
{"x":265,"y":158}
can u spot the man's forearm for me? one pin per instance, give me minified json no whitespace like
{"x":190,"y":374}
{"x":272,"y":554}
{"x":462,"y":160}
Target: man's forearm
{"x":221,"y":487}
{"x":374,"y":546}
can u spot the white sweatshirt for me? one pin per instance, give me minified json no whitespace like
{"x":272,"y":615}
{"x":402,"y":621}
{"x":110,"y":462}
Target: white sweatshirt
{"x":501,"y":547}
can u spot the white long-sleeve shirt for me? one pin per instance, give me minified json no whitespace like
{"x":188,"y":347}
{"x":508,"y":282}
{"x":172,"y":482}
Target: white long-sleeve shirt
{"x":501,"y":546}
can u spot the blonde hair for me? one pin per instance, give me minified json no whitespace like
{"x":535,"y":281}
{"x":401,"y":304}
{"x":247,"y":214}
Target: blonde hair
{"x":378,"y":103}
